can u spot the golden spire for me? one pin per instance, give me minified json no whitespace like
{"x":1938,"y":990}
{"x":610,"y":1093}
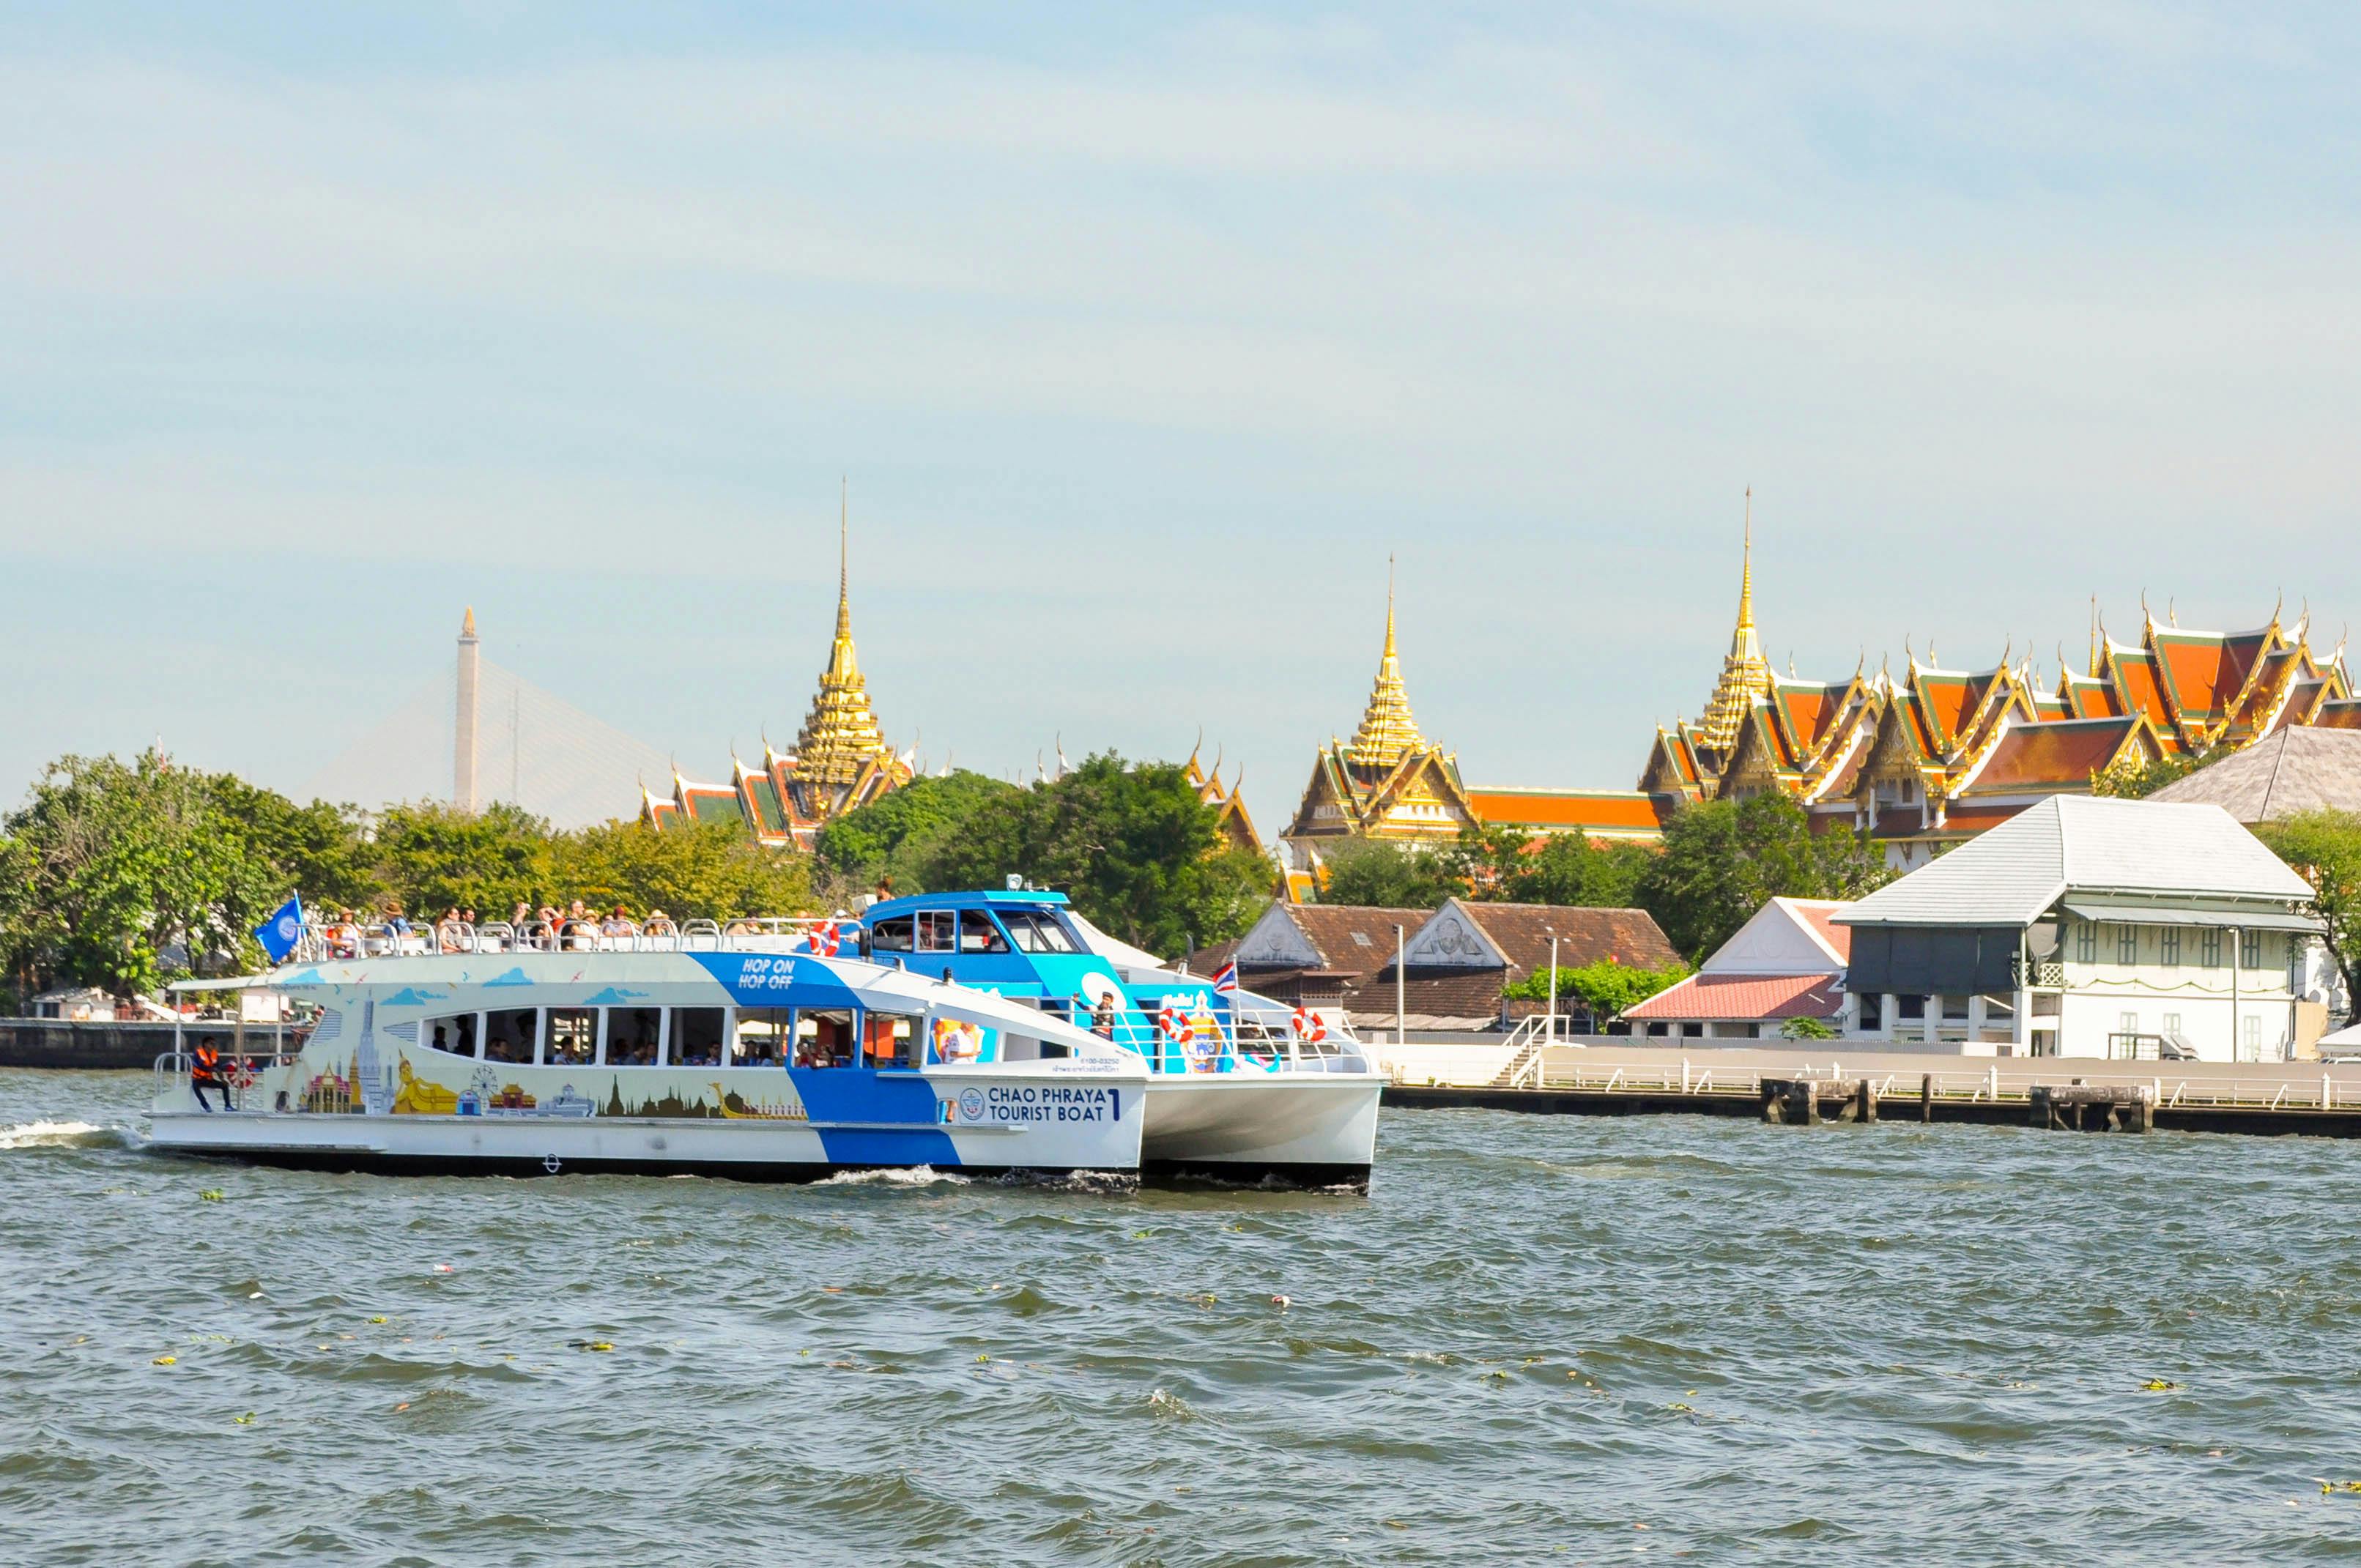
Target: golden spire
{"x":1745,"y":673}
{"x":1388,"y":732}
{"x":841,"y":735}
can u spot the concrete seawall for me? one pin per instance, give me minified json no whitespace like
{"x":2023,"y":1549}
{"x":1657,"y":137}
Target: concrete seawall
{"x":55,"y":1041}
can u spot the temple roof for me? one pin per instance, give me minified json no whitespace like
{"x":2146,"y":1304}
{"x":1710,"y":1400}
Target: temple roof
{"x":1388,"y":732}
{"x":841,"y":735}
{"x":1745,"y":673}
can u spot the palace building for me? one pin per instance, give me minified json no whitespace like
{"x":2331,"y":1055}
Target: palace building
{"x":1937,"y":755}
{"x":1920,"y":760}
{"x":1390,"y":783}
{"x":840,"y":759}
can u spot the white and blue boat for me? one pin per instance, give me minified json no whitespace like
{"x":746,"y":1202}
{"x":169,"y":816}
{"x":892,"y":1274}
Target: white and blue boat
{"x":1240,"y":1088}
{"x":766,"y":1052}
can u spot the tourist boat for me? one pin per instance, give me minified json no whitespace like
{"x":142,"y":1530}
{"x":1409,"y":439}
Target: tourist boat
{"x":1240,"y":1088}
{"x":761,"y":1053}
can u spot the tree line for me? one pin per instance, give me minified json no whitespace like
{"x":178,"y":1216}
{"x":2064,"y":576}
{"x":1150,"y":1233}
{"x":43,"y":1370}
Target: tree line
{"x":124,"y":875}
{"x":1717,"y":863}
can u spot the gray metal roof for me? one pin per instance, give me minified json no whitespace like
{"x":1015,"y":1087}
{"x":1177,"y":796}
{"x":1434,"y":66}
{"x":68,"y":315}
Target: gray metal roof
{"x":2011,"y":875}
{"x":2298,"y":769}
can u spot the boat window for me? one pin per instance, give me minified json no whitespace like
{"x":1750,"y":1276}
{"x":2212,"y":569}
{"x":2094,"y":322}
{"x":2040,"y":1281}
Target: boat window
{"x":634,"y":1036}
{"x":573,"y":1036}
{"x":697,"y":1037}
{"x":935,"y":931}
{"x":509,"y":1033}
{"x":885,"y":1040}
{"x":978,"y":935}
{"x":824,"y":1037}
{"x":765,"y":1036}
{"x":890,"y":935}
{"x":1038,"y":931}
{"x":455,"y":1035}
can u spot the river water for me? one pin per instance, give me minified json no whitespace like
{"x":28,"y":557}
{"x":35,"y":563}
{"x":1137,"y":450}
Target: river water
{"x":1563,"y":1339}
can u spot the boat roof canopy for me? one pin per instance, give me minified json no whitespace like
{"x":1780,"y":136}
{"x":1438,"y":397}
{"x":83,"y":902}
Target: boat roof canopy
{"x":1023,"y":896}
{"x":234,"y":982}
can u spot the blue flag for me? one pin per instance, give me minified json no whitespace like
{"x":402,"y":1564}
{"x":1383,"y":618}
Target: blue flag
{"x":278,"y":935}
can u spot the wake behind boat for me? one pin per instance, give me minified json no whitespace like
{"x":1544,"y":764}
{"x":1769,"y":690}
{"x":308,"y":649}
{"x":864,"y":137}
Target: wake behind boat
{"x":755,"y":1053}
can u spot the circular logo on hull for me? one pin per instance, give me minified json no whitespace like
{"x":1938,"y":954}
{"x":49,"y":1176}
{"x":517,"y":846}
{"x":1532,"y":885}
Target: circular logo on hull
{"x":970,"y":1104}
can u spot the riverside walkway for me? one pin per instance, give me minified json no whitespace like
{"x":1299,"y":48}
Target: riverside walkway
{"x":1614,"y":1078}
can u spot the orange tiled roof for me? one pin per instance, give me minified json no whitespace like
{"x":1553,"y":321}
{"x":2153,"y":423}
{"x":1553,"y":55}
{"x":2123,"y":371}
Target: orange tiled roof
{"x":1619,"y":810}
{"x":2136,"y":688}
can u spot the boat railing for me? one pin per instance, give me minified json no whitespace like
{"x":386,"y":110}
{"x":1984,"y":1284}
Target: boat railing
{"x":333,"y":941}
{"x":241,"y":1071}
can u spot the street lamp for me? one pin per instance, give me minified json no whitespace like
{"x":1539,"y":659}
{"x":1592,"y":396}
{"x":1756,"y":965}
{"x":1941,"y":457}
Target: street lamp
{"x":1550,"y":1026}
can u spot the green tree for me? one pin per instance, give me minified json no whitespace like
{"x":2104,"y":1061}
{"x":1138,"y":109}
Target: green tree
{"x":2324,"y":848}
{"x":321,"y":850}
{"x":124,"y":875}
{"x":1134,"y":849}
{"x":433,"y":857}
{"x":1604,"y":989}
{"x":1723,"y":860}
{"x":1808,"y":1028}
{"x":712,"y":871}
{"x":902,"y":830}
{"x":2137,"y":779}
{"x":1377,"y":874}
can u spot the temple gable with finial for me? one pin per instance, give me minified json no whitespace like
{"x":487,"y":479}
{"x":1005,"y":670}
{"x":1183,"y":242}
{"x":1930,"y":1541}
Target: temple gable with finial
{"x":1389,"y":782}
{"x":840,"y":759}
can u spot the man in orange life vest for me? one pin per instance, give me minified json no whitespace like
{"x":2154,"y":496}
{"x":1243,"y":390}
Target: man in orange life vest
{"x":205,"y":1072}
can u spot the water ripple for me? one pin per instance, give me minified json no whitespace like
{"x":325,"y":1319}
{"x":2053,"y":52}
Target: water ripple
{"x":1537,"y":1337}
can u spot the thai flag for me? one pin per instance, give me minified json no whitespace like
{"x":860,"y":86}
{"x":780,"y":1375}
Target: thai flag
{"x":1225,"y":978}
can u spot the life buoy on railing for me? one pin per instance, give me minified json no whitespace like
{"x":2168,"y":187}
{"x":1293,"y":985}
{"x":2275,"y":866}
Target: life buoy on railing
{"x":826,"y":938}
{"x":1307,"y":1025}
{"x":1174,"y":1026}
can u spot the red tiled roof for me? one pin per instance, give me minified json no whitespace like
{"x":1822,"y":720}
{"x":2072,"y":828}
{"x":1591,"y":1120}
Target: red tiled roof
{"x":1763,"y":997}
{"x":1821,"y":916}
{"x":1584,"y":935}
{"x":2344,"y":714}
{"x":2051,"y":754}
{"x":1975,"y":819}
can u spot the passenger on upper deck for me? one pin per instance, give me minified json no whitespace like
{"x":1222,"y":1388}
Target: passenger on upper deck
{"x":618,"y":924}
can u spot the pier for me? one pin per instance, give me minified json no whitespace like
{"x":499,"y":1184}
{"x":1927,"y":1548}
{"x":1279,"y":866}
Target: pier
{"x":1826,"y":1086}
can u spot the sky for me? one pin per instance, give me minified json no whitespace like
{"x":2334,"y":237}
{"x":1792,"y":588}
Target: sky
{"x":1142,"y":337}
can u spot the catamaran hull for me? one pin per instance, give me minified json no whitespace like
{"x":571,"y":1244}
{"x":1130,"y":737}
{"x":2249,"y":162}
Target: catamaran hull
{"x":1296,"y":1129}
{"x":641,"y":1146}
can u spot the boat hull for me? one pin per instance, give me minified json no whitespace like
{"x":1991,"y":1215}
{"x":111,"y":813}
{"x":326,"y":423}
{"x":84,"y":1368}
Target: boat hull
{"x":748,"y":1150}
{"x":1295,"y":1129}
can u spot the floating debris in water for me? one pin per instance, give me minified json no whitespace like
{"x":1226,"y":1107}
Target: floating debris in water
{"x":2158,"y":1386}
{"x":1282,"y":1302}
{"x":381,"y":1320}
{"x":591,"y":1343}
{"x":244,"y":1421}
{"x":2328,"y":1486}
{"x":164,"y":1361}
{"x":211,"y":1195}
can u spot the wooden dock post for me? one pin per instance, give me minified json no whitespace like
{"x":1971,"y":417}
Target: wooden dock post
{"x":1865,"y":1100}
{"x":1927,"y":1098}
{"x":1791,"y":1102}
